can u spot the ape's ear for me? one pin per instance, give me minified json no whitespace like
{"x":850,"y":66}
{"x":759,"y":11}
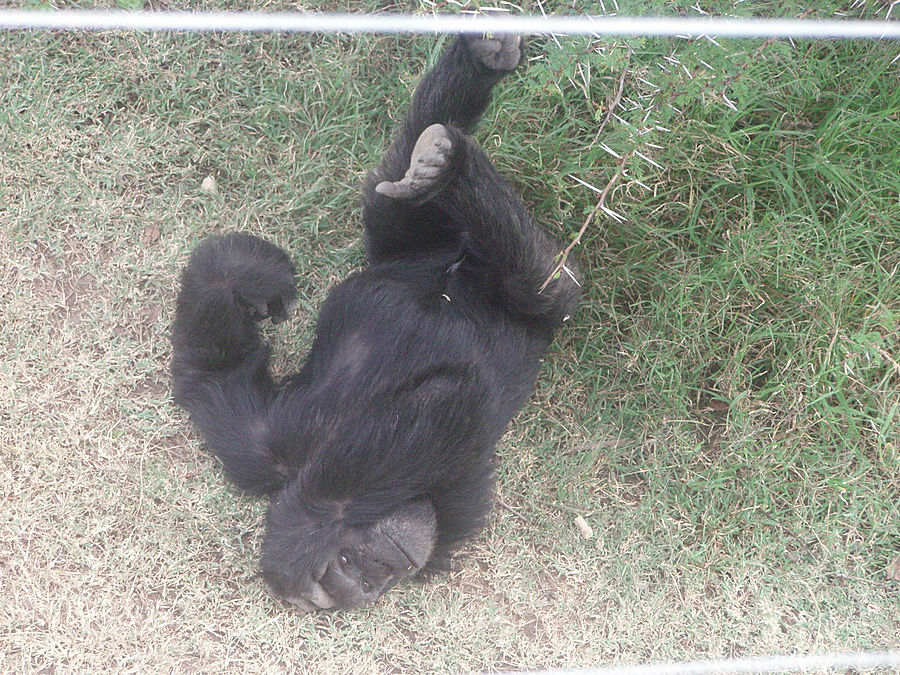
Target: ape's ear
{"x":411,"y":533}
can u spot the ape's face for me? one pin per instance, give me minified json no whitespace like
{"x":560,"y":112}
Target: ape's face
{"x":329,"y":565}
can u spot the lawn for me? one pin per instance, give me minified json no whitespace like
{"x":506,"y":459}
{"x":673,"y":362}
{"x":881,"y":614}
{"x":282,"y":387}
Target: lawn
{"x":722,"y":413}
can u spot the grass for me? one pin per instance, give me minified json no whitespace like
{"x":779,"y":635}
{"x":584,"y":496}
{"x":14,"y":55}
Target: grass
{"x":723,"y":412}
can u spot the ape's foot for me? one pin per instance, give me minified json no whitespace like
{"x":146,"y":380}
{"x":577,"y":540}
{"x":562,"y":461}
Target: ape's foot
{"x":501,"y":52}
{"x":428,"y":163}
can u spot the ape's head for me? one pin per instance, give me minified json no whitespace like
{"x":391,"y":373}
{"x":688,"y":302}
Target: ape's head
{"x":319,"y":562}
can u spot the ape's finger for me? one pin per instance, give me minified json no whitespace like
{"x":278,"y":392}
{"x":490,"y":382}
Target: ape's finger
{"x":398,"y":190}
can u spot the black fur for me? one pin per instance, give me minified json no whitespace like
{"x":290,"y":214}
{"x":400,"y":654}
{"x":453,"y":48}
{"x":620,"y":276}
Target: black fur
{"x":377,"y":455}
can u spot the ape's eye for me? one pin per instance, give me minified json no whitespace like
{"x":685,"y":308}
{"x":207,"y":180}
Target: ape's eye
{"x":366,"y":586}
{"x":344,"y":560}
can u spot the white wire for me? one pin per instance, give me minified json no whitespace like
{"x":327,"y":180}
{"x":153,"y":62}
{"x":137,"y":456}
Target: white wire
{"x":316,"y":22}
{"x":766,"y":664}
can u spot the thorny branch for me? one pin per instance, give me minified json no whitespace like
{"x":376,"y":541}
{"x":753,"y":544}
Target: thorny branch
{"x":616,"y":99}
{"x":564,"y":256}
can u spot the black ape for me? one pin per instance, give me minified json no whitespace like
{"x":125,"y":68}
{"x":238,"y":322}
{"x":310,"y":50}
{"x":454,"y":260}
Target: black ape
{"x":377,"y":454}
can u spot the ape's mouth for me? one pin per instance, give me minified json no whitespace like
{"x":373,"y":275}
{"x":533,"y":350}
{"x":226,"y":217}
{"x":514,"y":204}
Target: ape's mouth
{"x":301,"y":604}
{"x":315,"y":600}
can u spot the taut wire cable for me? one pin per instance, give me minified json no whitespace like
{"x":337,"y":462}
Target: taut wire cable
{"x":320,"y":22}
{"x":886,"y":662}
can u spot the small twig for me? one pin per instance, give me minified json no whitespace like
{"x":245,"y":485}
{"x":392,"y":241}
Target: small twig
{"x":615,"y":101}
{"x":566,"y":508}
{"x":890,"y":359}
{"x":549,"y":504}
{"x":564,"y":256}
{"x":512,"y":510}
{"x":561,"y":265}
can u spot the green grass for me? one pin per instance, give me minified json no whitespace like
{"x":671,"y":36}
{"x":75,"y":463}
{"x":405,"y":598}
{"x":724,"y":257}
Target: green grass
{"x":723,"y":411}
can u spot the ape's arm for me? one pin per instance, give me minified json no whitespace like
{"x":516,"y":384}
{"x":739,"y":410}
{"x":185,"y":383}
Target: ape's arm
{"x":219,"y":365}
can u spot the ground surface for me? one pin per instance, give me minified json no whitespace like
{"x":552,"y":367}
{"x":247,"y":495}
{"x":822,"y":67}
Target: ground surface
{"x":723,"y":413}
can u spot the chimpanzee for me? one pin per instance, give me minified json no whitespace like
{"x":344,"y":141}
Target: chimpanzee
{"x":377,"y":455}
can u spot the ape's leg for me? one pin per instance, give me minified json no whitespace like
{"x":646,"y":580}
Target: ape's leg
{"x":219,"y":364}
{"x":502,"y":241}
{"x":456,"y":91}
